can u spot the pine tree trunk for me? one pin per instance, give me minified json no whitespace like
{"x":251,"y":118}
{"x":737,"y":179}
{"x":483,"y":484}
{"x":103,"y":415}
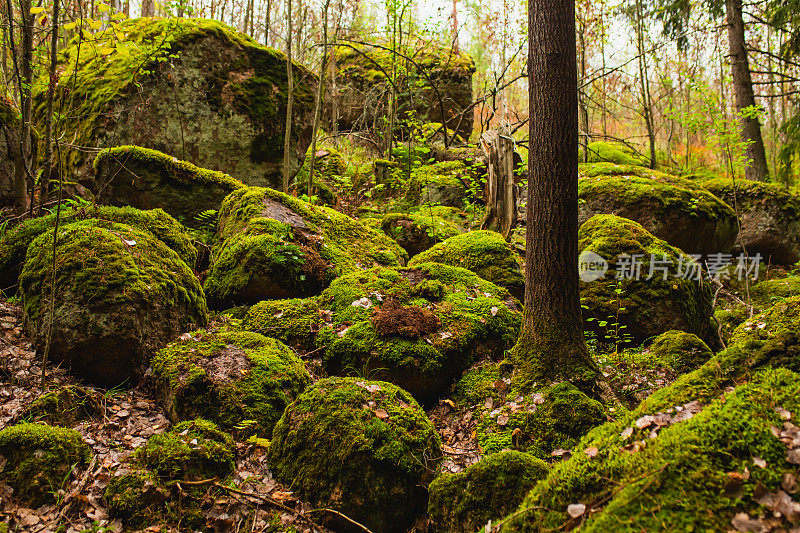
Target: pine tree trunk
{"x":47,"y":174}
{"x":551,"y":345}
{"x":148,"y":8}
{"x":24,"y":177}
{"x":743,"y":92}
{"x":287,"y":140}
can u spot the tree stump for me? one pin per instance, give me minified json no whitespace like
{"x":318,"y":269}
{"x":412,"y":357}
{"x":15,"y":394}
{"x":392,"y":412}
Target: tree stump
{"x":500,"y":191}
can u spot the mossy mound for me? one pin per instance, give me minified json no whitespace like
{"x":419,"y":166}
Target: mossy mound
{"x":770,"y":217}
{"x":271,"y":245}
{"x":417,"y":327}
{"x":64,"y":406}
{"x":768,"y":292}
{"x":294,"y":321}
{"x":364,"y":448}
{"x":120,"y":295}
{"x":484,"y":252}
{"x":684,"y":451}
{"x":679,"y":351}
{"x":674,"y":209}
{"x":417,"y":232}
{"x":14,"y":244}
{"x":329,"y":169}
{"x":214,"y":97}
{"x":445,"y":183}
{"x":38,"y":460}
{"x":147,"y":179}
{"x":240,"y":380}
{"x":645,"y":307}
{"x":617,"y":153}
{"x":454,"y":215}
{"x":489,"y":489}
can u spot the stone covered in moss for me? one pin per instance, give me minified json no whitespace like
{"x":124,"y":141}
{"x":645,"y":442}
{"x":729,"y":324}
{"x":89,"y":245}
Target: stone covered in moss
{"x":680,"y":351}
{"x":295,"y":321}
{"x":490,"y":489}
{"x":674,"y":209}
{"x":770,"y":217}
{"x":436,"y":79}
{"x":121,"y":294}
{"x":617,"y":153}
{"x":646,"y":307}
{"x":416,"y":232}
{"x":445,"y":183}
{"x":64,"y":406}
{"x":38,"y":460}
{"x":364,"y":448}
{"x":194,"y":88}
{"x":14,"y":244}
{"x":484,"y":252}
{"x":137,"y":498}
{"x":147,"y":179}
{"x":329,"y":169}
{"x":241,"y":380}
{"x":768,"y":292}
{"x":271,"y":245}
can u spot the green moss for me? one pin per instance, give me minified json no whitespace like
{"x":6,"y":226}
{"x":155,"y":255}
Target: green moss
{"x":489,"y":489}
{"x":9,"y":116}
{"x":749,"y":195}
{"x":679,"y":351}
{"x":363,"y":448}
{"x":609,"y":152}
{"x":476,"y":384}
{"x":454,"y":215}
{"x":39,"y":459}
{"x":416,"y":232}
{"x":64,"y":406}
{"x":294,"y":321}
{"x":484,"y":252}
{"x":767,"y":293}
{"x":329,"y":169}
{"x":14,"y":244}
{"x":240,"y":380}
{"x":445,"y":183}
{"x":137,"y":498}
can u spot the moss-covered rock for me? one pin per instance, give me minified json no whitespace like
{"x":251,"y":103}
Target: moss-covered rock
{"x":64,"y":406}
{"x":329,"y":169}
{"x":271,"y":245}
{"x":769,"y":214}
{"x":645,"y":307}
{"x":435,"y":72}
{"x":417,"y":232}
{"x":768,"y":292}
{"x":137,"y":498}
{"x":194,"y":88}
{"x":38,"y":460}
{"x":617,"y":153}
{"x":295,"y":321}
{"x":120,"y":295}
{"x":364,"y":448}
{"x":14,"y":244}
{"x":687,"y":456}
{"x":445,"y":183}
{"x":489,"y":489}
{"x":679,"y":351}
{"x":674,"y":209}
{"x":147,"y":179}
{"x":240,"y":380}
{"x":484,"y":252}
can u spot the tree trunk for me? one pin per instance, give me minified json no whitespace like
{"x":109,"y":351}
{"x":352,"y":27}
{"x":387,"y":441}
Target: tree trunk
{"x":47,"y":174}
{"x":743,"y":92}
{"x":318,"y":101}
{"x":287,"y":140}
{"x":148,"y":8}
{"x":267,"y":21}
{"x":551,"y":345}
{"x":24,"y":177}
{"x":644,"y":81}
{"x":501,"y":197}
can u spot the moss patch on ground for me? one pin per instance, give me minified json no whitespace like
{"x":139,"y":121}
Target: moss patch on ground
{"x":64,"y":406}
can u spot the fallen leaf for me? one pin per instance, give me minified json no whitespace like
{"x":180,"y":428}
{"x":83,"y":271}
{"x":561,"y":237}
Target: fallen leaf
{"x":742,"y":522}
{"x":576,"y":509}
{"x":502,"y":420}
{"x":381,"y":413}
{"x":494,"y":311}
{"x":591,"y":451}
{"x":759,"y":462}
{"x":626,"y":433}
{"x":450,"y":404}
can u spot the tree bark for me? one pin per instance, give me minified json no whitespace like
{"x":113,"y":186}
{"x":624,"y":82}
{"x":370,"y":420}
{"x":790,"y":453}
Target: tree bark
{"x":24,"y":177}
{"x":743,"y":92}
{"x":318,"y":99}
{"x":148,"y":8}
{"x":287,"y":140}
{"x":551,"y":345}
{"x":500,"y":197}
{"x":47,"y":174}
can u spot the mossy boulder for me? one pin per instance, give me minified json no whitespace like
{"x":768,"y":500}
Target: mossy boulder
{"x":674,"y":209}
{"x":416,"y":232}
{"x":240,"y":380}
{"x":14,"y":244}
{"x":330,"y":169}
{"x":436,"y":79}
{"x":364,"y":448}
{"x":120,"y":295}
{"x":766,"y":293}
{"x":445,"y":183}
{"x":63,"y":406}
{"x":490,"y":489}
{"x":271,"y":245}
{"x":147,"y":179}
{"x":617,"y":153}
{"x":193,"y":88}
{"x":295,"y":321}
{"x":484,"y":252}
{"x":769,"y":214}
{"x":645,"y":307}
{"x":38,"y":459}
{"x":679,"y":351}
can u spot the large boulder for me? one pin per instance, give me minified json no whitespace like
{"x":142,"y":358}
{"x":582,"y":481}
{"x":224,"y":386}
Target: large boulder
{"x":271,"y":245}
{"x":624,"y":306}
{"x":120,"y":295}
{"x":148,"y":179}
{"x":435,"y":79}
{"x":769,"y":214}
{"x":447,"y":183}
{"x":194,"y":88}
{"x":416,"y":232}
{"x":364,"y":448}
{"x":674,"y":209}
{"x":229,"y":377}
{"x":611,"y":152}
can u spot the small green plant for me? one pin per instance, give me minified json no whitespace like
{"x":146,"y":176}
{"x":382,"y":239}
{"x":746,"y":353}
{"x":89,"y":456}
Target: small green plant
{"x":612,"y":330}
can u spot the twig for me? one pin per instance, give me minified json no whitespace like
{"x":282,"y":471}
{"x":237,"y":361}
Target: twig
{"x":340,"y":515}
